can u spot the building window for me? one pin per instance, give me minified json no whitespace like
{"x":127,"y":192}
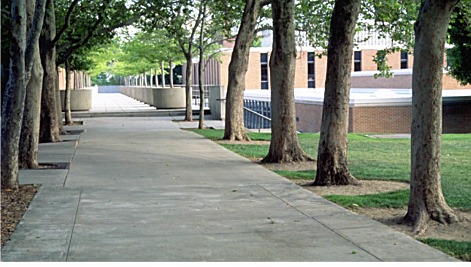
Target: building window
{"x":311,"y":76}
{"x":381,"y":59}
{"x":264,"y":70}
{"x":404,"y":60}
{"x":357,"y":61}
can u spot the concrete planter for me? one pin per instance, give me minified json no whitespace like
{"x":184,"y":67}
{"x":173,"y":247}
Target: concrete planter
{"x":169,"y":97}
{"x":80,"y":100}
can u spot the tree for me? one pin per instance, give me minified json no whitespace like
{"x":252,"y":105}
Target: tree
{"x":83,"y":36}
{"x":208,"y":46}
{"x":50,"y":106}
{"x":29,"y":138}
{"x":458,"y":56}
{"x":22,"y":51}
{"x":201,"y":49}
{"x":181,"y":20}
{"x":426,"y":198}
{"x":75,"y":32}
{"x":234,"y":122}
{"x":284,"y":145}
{"x":154,"y":48}
{"x":332,"y":152}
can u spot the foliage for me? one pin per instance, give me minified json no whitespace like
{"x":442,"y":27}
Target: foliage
{"x":458,"y":63}
{"x":94,"y":27}
{"x":390,"y":19}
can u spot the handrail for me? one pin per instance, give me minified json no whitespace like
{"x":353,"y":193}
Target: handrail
{"x":258,"y":115}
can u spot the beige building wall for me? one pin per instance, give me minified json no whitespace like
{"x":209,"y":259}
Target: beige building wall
{"x":300,"y":76}
{"x":253,"y":76}
{"x":320,"y":71}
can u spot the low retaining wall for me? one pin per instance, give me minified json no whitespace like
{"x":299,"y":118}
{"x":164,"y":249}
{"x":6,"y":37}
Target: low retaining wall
{"x":161,"y":98}
{"x":377,"y":111}
{"x":80,"y":100}
{"x":385,"y":119}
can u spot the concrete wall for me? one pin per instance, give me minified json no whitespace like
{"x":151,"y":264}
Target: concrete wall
{"x":80,"y":100}
{"x":402,"y":79}
{"x":217,"y":102}
{"x":385,"y":119}
{"x":161,"y":98}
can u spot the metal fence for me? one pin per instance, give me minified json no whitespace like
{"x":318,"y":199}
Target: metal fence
{"x":195,"y":93}
{"x":257,"y":114}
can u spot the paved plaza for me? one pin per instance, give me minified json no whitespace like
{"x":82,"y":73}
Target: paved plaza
{"x":143,"y":189}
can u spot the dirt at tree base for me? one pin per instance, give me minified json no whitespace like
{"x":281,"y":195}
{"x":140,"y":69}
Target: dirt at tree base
{"x":390,"y":217}
{"x":393,"y":217}
{"x":14,"y":205}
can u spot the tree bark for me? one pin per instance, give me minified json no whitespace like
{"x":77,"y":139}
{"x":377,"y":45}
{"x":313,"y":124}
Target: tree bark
{"x":426,"y":198}
{"x":29,"y":142}
{"x":189,"y":67}
{"x":201,"y":71}
{"x":145,"y":78}
{"x":14,"y":99}
{"x":29,"y":139}
{"x":171,"y":73}
{"x":49,"y":126}
{"x":234,"y":121}
{"x":67,"y":110}
{"x":332,"y":152}
{"x":162,"y":69}
{"x":284,"y":145}
{"x":150,"y":80}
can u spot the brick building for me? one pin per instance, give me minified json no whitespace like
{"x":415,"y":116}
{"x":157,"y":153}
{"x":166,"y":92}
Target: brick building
{"x":311,"y":69}
{"x":373,"y":110}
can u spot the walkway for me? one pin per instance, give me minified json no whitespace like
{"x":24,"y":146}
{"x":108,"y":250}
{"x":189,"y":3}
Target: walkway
{"x":142,"y":189}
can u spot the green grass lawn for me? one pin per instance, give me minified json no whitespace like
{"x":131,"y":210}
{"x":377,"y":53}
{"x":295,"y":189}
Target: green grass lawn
{"x":379,"y":159}
{"x":384,"y":159}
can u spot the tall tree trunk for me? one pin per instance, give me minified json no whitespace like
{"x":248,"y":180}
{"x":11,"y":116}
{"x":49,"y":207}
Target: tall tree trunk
{"x":14,"y":99}
{"x":426,"y":199}
{"x":332,"y":152}
{"x":151,"y":82}
{"x":171,"y":73}
{"x":67,"y":110}
{"x":156,"y":78}
{"x":189,"y":67}
{"x":201,"y":70}
{"x":49,"y":126}
{"x":29,"y":142}
{"x":284,"y":145}
{"x":234,"y":122}
{"x":162,"y":69}
{"x":29,"y":139}
{"x":145,"y":78}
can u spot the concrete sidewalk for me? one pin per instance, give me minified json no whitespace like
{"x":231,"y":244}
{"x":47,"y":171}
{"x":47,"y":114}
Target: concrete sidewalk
{"x":142,"y":189}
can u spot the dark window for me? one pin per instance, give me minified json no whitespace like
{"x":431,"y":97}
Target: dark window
{"x":404,"y":60}
{"x":357,"y":61}
{"x":264,"y":70}
{"x":381,"y":57}
{"x":311,"y":76}
{"x":264,"y":58}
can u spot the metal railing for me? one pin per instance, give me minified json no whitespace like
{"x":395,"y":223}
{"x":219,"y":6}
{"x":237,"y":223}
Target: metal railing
{"x":257,"y":114}
{"x":195,"y":92}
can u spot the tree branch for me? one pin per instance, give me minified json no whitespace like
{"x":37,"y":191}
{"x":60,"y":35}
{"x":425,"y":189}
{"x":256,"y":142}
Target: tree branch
{"x":66,"y":22}
{"x":265,"y":3}
{"x":33,"y":36}
{"x":79,"y":43}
